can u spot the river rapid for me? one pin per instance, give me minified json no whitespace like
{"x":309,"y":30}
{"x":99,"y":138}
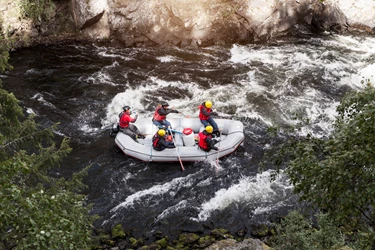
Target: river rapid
{"x":84,"y":86}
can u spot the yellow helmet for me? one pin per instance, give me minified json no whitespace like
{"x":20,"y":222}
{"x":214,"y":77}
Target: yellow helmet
{"x":208,"y":104}
{"x":161,"y":132}
{"x":209,"y":129}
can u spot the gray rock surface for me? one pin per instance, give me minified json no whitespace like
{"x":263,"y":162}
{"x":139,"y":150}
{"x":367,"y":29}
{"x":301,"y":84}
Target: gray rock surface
{"x":190,"y":22}
{"x":230,"y":244}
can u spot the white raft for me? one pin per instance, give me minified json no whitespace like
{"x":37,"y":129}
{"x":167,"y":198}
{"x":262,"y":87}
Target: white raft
{"x":232,"y":135}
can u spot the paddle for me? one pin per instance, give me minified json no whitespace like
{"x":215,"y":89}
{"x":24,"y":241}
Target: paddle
{"x":178,"y":132}
{"x":176,"y":147}
{"x":187,"y":116}
{"x":217,"y":155}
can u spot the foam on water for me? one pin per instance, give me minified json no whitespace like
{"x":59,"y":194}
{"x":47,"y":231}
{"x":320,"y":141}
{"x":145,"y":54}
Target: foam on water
{"x":30,"y":111}
{"x":259,"y":189}
{"x":343,"y":60}
{"x":188,"y":106}
{"x":41,"y":99}
{"x":146,"y":196}
{"x":106,"y":53}
{"x":101,"y":77}
{"x":273,"y":84}
{"x":259,"y":84}
{"x":166,"y":58}
{"x":173,"y":209}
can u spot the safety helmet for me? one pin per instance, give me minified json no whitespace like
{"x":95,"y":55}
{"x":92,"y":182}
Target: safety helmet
{"x":209,"y":129}
{"x":161,"y":132}
{"x":164,"y":104}
{"x":208,"y":104}
{"x":126,"y":108}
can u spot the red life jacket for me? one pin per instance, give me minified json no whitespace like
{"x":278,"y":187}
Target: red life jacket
{"x":155,"y":142}
{"x":157,"y":116}
{"x":202,"y":140}
{"x":201,"y":115}
{"x":124,"y":120}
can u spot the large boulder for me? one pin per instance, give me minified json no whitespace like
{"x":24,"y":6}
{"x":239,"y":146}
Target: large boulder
{"x":208,"y":22}
{"x":189,"y":22}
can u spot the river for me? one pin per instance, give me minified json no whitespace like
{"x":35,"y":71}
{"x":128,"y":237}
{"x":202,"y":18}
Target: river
{"x":84,"y":86}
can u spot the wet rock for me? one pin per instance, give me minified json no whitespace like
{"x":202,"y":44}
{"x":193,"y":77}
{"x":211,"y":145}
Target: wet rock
{"x":188,"y":238}
{"x":206,"y":241}
{"x":118,"y":232}
{"x":136,"y":243}
{"x":261,"y":231}
{"x":230,"y":244}
{"x":162,"y":243}
{"x":221,"y":234}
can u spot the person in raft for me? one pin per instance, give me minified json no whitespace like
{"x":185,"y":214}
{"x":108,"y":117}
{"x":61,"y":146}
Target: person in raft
{"x":159,"y":141}
{"x":205,"y":112}
{"x":160,"y":115}
{"x":127,"y":128}
{"x":206,"y":142}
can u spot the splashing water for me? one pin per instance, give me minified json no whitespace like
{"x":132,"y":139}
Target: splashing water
{"x":85,"y":87}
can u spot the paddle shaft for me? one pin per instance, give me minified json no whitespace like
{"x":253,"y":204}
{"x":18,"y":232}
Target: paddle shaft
{"x":218,"y":150}
{"x":187,"y":116}
{"x":178,"y":155}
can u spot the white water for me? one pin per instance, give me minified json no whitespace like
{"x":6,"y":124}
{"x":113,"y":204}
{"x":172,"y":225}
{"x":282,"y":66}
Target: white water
{"x":259,"y":84}
{"x":250,"y":189}
{"x":343,"y":61}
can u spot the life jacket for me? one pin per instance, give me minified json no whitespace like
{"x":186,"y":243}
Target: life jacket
{"x":124,"y":120}
{"x":155,"y":142}
{"x":157,"y":116}
{"x":202,"y":140}
{"x":169,"y":138}
{"x":201,"y":115}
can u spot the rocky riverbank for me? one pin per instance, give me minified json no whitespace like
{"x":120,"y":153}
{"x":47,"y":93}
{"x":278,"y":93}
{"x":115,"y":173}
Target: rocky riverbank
{"x":218,"y":239}
{"x":182,"y":23}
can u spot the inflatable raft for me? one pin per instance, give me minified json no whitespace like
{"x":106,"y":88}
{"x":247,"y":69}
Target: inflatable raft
{"x":185,"y":136}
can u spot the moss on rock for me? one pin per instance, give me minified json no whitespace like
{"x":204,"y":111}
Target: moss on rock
{"x":206,"y":241}
{"x":221,"y":233}
{"x":136,"y":243}
{"x":118,"y":232}
{"x":188,"y":238}
{"x":162,"y":243}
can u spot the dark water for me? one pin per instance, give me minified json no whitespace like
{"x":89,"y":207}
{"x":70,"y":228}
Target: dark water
{"x":84,"y":87}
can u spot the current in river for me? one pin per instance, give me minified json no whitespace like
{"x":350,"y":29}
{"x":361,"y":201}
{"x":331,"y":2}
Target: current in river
{"x":85,"y":86}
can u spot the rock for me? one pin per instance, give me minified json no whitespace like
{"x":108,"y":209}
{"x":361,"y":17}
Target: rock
{"x":92,"y":21}
{"x":162,"y":243}
{"x":205,"y":241}
{"x":188,"y":238}
{"x":188,"y":22}
{"x":221,"y":234}
{"x":230,"y":244}
{"x":118,"y":232}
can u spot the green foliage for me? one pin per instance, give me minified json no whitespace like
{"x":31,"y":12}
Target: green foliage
{"x":337,"y":173}
{"x":361,"y":240}
{"x":4,"y":55}
{"x":37,"y":10}
{"x":118,"y":232}
{"x":37,"y":211}
{"x":296,"y":232}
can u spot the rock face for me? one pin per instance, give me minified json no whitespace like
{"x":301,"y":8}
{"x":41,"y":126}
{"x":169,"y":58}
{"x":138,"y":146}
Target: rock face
{"x":193,"y":22}
{"x":230,"y":244}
